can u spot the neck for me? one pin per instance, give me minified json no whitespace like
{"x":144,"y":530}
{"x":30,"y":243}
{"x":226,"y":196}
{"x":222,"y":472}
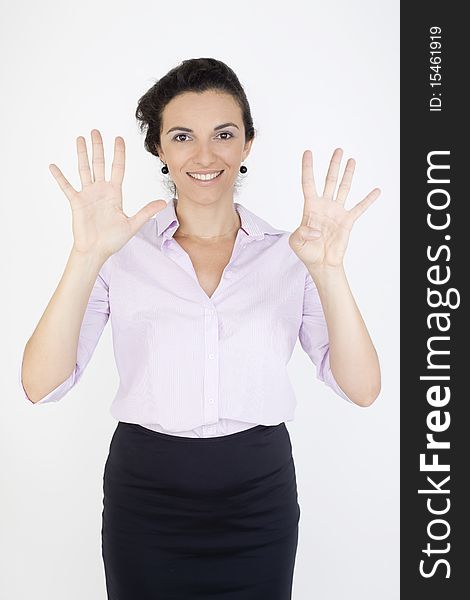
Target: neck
{"x":205,"y":222}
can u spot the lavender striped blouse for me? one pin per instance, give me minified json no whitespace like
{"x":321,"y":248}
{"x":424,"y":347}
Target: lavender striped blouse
{"x":195,"y":366}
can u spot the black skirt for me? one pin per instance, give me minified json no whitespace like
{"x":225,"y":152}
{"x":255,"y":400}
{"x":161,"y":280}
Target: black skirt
{"x":199,"y":517}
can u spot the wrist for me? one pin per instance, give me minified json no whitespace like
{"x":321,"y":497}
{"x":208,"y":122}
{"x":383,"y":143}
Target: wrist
{"x":325,"y":270}
{"x":92,"y":259}
{"x":327,"y":277}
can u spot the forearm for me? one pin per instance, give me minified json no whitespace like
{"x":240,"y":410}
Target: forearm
{"x":51,"y":351}
{"x":353,"y":358}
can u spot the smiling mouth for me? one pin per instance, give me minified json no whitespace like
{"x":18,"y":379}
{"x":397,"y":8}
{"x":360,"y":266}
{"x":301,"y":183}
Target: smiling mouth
{"x":205,"y":176}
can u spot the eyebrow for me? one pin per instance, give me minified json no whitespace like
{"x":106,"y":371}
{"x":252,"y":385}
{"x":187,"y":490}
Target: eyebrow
{"x":191,"y":131}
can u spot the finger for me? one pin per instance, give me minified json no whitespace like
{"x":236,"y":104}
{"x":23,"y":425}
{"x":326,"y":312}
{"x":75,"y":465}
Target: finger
{"x":332,"y":175}
{"x":308,"y":183}
{"x":83,"y":163}
{"x":345,"y":184}
{"x":98,"y":155}
{"x":119,"y":161}
{"x":363,"y":205}
{"x":64,"y":185}
{"x":145,"y":213}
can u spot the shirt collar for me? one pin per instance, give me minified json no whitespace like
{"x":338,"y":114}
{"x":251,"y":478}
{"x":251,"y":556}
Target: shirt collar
{"x":253,"y":226}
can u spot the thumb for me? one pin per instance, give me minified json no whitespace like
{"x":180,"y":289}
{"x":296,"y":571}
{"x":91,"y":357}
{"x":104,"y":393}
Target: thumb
{"x":145,"y":214}
{"x":307,"y":233}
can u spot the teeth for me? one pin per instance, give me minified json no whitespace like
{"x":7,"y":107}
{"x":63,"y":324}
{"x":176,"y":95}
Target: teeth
{"x":205,"y":177}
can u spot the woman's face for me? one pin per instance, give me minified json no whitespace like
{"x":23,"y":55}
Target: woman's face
{"x":203,"y":133}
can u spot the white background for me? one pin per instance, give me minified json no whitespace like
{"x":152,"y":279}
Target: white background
{"x":317,"y":75}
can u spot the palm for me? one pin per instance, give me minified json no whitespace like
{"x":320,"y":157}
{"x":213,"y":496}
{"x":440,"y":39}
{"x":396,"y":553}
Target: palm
{"x":99,"y":222}
{"x":328,"y":216}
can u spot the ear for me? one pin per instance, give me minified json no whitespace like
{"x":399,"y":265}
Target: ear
{"x":247,"y":149}
{"x":161,"y":155}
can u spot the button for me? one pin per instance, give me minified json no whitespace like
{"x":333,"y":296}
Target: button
{"x":211,"y":400}
{"x":211,"y":356}
{"x":209,"y":312}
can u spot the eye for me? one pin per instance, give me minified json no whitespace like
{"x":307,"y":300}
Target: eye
{"x":185,"y":135}
{"x":179,"y":135}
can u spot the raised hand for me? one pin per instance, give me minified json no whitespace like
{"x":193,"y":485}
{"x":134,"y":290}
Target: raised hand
{"x":99,"y":224}
{"x":326,"y":217}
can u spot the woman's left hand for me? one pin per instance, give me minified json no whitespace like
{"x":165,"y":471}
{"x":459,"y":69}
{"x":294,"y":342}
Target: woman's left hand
{"x":327,"y":216}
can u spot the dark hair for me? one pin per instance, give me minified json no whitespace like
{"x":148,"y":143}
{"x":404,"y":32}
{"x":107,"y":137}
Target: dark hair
{"x":191,"y":75}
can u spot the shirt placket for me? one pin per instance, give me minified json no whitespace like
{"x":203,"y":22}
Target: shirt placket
{"x":211,"y":336}
{"x":211,"y":370}
{"x":211,"y":348}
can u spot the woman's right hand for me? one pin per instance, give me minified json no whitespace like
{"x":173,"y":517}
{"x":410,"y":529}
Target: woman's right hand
{"x":99,"y":224}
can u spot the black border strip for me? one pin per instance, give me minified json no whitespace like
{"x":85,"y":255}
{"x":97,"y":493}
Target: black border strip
{"x":434,"y":259}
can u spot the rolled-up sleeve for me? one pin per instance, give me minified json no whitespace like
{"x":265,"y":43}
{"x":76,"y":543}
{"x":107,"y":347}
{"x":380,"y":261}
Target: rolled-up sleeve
{"x":313,"y":336}
{"x":94,"y":320}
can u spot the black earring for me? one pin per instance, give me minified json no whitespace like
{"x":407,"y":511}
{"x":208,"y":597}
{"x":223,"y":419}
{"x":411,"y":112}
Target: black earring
{"x":165,"y":169}
{"x":243,"y":169}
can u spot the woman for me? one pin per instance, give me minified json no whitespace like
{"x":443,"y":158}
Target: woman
{"x":206,"y":302}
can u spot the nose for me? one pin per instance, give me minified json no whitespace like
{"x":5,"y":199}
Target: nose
{"x":204,"y":155}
